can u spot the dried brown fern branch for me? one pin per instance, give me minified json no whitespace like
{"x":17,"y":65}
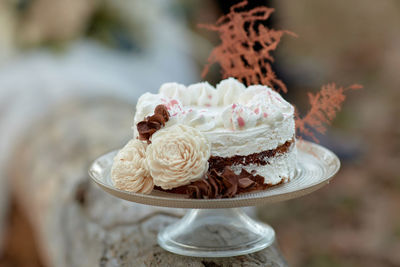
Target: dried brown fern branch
{"x":246,"y":44}
{"x":324,"y":106}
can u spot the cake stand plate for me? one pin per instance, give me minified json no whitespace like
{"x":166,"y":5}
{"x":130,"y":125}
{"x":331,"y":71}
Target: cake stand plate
{"x":217,"y":227}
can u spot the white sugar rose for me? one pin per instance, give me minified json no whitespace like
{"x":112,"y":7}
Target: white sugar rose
{"x":178,"y":155}
{"x":129,"y":171}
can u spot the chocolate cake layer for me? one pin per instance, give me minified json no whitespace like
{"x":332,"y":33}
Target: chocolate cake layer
{"x":261,"y":158}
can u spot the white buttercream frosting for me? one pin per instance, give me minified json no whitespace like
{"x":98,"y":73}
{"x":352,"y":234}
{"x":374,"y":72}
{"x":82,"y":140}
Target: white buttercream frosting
{"x":246,"y":142}
{"x":228,"y":91}
{"x":236,"y":120}
{"x":178,"y":155}
{"x":279,"y":169}
{"x":203,"y":94}
{"x":176,"y":91}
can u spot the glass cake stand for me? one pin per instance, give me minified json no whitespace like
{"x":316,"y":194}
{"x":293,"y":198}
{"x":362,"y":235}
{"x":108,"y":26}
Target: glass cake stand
{"x":218,"y":227}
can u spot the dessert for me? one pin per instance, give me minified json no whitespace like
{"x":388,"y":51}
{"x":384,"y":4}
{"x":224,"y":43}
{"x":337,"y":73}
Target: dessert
{"x":215,"y":142}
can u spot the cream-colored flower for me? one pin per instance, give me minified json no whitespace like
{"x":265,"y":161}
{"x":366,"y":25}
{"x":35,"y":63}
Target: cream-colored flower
{"x":129,"y":171}
{"x":178,"y":155}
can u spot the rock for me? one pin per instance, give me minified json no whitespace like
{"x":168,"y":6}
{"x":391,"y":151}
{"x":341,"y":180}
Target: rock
{"x":75,"y":222}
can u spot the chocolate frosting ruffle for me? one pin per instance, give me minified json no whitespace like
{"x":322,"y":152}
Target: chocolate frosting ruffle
{"x":151,"y":124}
{"x":225,"y":184}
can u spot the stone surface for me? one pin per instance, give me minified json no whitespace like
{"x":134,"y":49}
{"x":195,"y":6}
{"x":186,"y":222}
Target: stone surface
{"x":75,"y":222}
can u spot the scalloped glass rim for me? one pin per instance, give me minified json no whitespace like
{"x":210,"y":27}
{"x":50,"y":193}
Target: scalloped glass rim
{"x":315,"y":168}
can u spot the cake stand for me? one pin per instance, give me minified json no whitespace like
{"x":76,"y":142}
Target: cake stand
{"x":218,"y":227}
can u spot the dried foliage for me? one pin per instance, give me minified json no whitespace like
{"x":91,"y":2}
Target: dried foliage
{"x":324,"y":106}
{"x":244,"y":52}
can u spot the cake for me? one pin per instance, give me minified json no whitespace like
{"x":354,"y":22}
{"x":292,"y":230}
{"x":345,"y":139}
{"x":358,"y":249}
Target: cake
{"x":210,"y":142}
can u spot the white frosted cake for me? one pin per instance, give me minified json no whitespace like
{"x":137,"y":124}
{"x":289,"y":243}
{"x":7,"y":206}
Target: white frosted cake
{"x":246,"y":137}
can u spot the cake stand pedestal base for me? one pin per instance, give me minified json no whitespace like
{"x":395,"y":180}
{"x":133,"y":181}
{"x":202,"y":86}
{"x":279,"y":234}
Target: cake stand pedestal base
{"x":216,"y":233}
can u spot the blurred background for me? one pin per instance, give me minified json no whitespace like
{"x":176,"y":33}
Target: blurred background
{"x":85,"y":62}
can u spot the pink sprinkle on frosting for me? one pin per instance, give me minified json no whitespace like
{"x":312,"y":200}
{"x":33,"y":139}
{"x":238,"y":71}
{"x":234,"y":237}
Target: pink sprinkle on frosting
{"x":233,"y":105}
{"x":257,"y":110}
{"x":265,"y":115}
{"x":240,"y":121}
{"x":173,"y":102}
{"x":209,"y":96}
